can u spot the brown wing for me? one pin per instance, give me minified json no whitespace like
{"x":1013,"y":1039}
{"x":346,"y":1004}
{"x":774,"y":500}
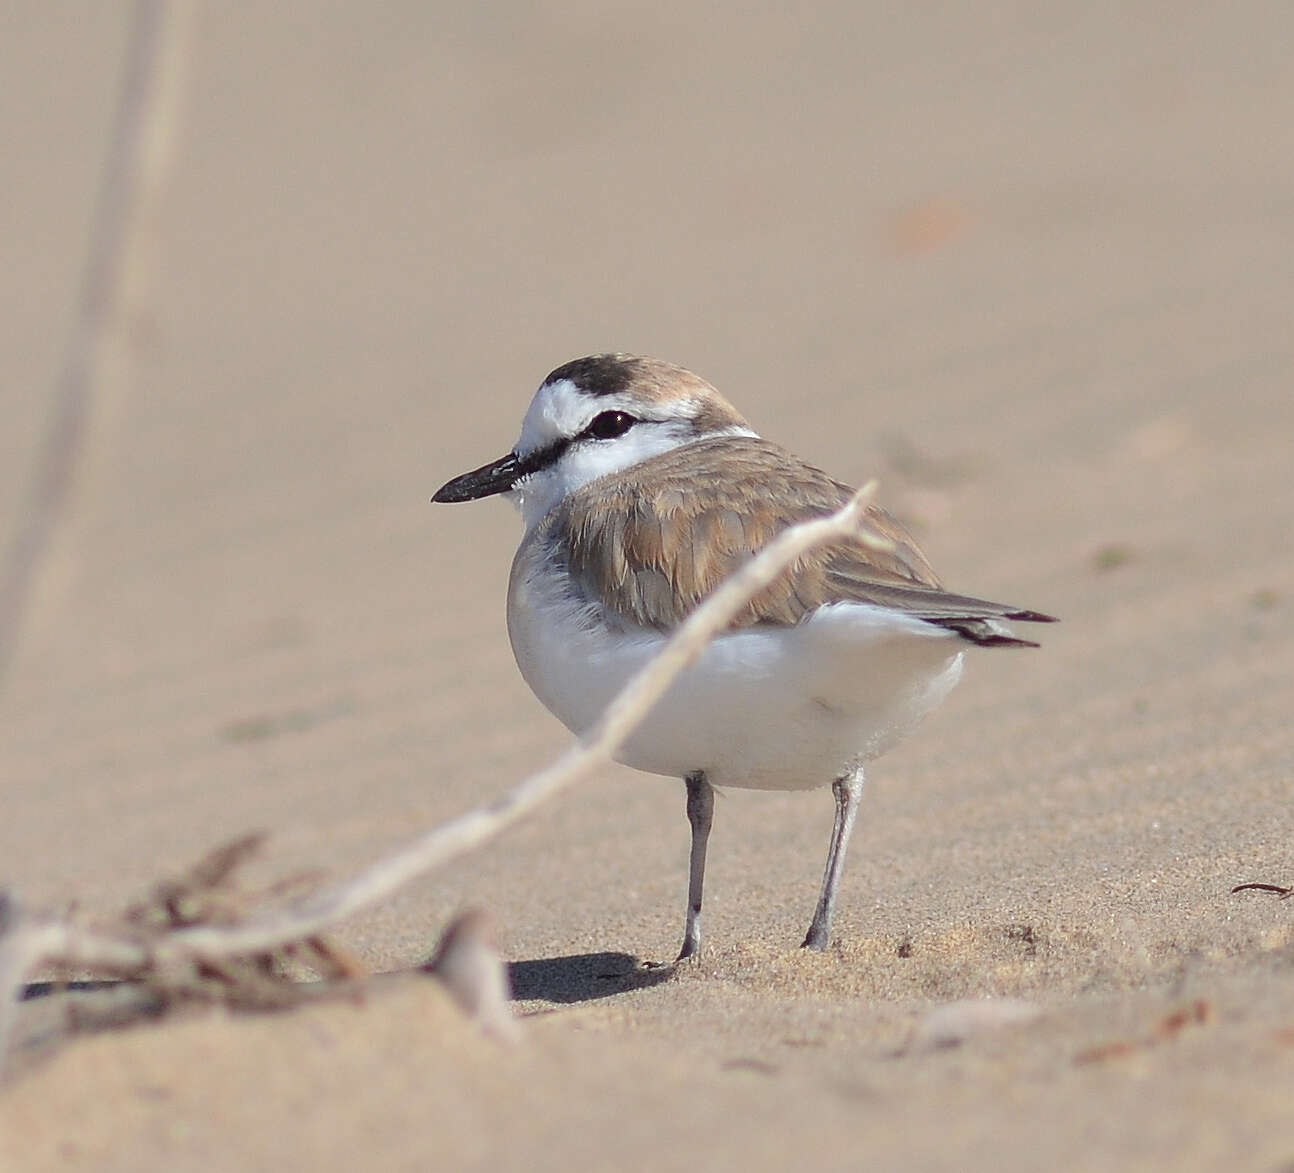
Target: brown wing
{"x":655,"y":540}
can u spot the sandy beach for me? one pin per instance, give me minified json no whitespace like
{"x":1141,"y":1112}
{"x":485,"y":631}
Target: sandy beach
{"x":1030,"y":268}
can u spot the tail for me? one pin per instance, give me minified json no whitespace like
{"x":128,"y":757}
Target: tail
{"x":992,"y":632}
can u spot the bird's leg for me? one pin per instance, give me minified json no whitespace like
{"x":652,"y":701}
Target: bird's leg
{"x":848,"y":790}
{"x":700,"y":813}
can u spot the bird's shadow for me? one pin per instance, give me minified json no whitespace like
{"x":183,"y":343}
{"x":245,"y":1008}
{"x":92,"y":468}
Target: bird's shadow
{"x":583,"y":977}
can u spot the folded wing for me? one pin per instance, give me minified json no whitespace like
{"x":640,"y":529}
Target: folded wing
{"x":655,"y":540}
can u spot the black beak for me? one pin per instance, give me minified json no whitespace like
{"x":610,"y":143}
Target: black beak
{"x":496,"y":477}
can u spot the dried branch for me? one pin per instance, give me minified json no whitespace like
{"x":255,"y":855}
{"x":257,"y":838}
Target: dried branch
{"x":597,"y":747}
{"x":111,"y":294}
{"x":26,"y":942}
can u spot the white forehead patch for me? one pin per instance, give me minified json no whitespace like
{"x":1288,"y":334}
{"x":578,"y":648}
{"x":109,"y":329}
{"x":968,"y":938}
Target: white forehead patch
{"x":558,"y":411}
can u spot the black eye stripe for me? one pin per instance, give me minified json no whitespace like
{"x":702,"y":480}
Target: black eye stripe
{"x":610,"y":424}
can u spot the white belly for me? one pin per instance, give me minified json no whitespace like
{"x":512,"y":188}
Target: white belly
{"x":773,"y":708}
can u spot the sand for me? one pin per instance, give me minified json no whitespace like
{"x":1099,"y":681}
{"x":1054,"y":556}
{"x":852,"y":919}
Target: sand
{"x":1031,"y":268}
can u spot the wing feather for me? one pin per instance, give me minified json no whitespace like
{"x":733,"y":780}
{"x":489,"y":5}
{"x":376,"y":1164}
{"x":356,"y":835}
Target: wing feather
{"x":654,"y":540}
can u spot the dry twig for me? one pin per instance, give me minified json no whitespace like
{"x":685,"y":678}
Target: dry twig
{"x":1276,"y":889}
{"x":111,"y":296}
{"x":171,"y":958}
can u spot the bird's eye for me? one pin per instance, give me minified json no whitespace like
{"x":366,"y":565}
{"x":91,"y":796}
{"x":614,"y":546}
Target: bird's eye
{"x":609,"y":425}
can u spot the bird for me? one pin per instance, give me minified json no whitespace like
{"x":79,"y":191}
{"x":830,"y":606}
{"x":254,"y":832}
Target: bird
{"x":641,"y":488}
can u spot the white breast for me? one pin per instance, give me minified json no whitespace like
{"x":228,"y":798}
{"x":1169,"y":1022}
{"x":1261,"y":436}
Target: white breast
{"x":766,"y":708}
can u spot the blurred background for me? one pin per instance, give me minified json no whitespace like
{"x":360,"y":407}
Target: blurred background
{"x":1030,"y":264}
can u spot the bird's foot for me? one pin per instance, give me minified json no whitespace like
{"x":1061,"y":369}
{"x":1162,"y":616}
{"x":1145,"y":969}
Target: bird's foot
{"x":817,"y":938}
